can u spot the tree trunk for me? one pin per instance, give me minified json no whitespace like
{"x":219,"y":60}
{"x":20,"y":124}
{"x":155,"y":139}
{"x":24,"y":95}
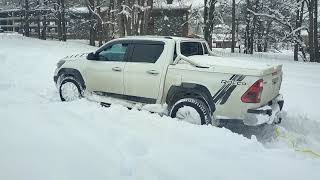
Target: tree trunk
{"x":92,"y":34}
{"x":261,"y":29}
{"x":121,"y":25}
{"x":147,"y":18}
{"x":209,"y":9}
{"x":108,"y":25}
{"x":44,"y":25}
{"x":142,"y":19}
{"x":63,"y":22}
{"x":128,"y":19}
{"x":26,"y":19}
{"x":253,"y":29}
{"x":311,"y":31}
{"x":296,"y":45}
{"x":233,"y":31}
{"x":266,"y":36}
{"x":99,"y":24}
{"x":150,"y":19}
{"x":59,"y":20}
{"x":44,"y":28}
{"x":135,"y":18}
{"x":205,"y":17}
{"x":315,"y":32}
{"x":111,"y":19}
{"x":38,"y":20}
{"x":299,"y":32}
{"x":247,"y":33}
{"x":260,"y":35}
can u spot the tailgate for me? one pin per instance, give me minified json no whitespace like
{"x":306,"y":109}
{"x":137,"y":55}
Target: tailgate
{"x":271,"y":85}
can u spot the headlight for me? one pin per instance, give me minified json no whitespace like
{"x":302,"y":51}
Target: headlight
{"x":60,"y":63}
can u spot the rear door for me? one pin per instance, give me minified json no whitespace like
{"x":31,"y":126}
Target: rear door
{"x":144,"y":71}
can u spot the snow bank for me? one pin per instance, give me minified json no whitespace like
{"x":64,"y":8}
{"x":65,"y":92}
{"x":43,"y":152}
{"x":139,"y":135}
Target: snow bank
{"x":43,"y":138}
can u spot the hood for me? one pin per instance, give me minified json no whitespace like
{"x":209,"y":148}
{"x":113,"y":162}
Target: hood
{"x":76,"y":56}
{"x":235,"y":65}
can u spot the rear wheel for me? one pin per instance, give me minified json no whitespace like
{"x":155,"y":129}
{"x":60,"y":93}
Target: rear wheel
{"x":69,"y":89}
{"x":191,"y":110}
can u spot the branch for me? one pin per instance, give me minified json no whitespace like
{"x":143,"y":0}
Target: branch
{"x":97,"y":15}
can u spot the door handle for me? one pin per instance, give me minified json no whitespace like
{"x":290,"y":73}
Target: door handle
{"x":118,"y":69}
{"x":153,"y":72}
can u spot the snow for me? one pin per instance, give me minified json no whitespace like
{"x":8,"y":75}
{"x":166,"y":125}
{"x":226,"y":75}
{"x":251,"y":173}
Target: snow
{"x":176,"y":4}
{"x":43,"y":138}
{"x":235,"y":64}
{"x":83,"y":10}
{"x":231,"y":61}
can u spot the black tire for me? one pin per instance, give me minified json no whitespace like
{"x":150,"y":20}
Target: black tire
{"x":69,"y":79}
{"x":196,"y":104}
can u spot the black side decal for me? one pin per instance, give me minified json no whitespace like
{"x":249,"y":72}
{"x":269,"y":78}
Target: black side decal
{"x":226,"y":90}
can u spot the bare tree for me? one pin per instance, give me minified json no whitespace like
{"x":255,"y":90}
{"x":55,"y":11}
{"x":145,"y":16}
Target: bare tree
{"x":209,"y":9}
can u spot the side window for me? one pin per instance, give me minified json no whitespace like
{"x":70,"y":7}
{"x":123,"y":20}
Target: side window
{"x":191,"y":48}
{"x":205,"y":48}
{"x":147,"y":53}
{"x":115,"y":52}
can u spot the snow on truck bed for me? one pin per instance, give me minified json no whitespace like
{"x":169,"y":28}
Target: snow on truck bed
{"x":43,"y":138}
{"x":234,"y":64}
{"x":231,"y":61}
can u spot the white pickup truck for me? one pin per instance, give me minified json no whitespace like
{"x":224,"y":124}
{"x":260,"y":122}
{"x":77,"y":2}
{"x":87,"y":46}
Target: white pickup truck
{"x":182,"y":73}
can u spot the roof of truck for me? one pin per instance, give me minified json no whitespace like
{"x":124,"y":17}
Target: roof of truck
{"x":163,"y":38}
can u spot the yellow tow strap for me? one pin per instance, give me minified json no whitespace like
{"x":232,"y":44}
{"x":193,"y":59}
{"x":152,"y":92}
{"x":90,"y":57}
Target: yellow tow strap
{"x":294,"y":144}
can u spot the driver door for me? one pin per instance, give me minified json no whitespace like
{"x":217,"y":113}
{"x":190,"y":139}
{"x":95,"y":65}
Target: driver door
{"x":106,"y":73}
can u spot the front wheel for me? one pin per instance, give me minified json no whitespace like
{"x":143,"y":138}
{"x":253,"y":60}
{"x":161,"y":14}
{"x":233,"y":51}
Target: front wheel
{"x":69,"y":89}
{"x":191,"y":110}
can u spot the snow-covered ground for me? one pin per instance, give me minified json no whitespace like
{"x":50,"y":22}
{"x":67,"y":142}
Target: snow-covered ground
{"x":43,"y":138}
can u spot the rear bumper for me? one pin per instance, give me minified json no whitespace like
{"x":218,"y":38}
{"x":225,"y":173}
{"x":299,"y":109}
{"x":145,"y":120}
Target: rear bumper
{"x":270,"y":113}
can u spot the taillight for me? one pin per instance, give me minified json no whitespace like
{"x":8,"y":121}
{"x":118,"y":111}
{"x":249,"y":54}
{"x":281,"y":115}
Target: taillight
{"x":253,"y":94}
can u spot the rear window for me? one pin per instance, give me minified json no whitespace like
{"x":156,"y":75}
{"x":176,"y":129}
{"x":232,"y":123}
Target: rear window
{"x":191,"y":48}
{"x":147,"y":53}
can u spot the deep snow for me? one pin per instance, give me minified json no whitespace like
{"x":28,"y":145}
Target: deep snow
{"x":43,"y":138}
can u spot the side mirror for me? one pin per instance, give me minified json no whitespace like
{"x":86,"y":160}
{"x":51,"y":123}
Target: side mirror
{"x":92,"y":56}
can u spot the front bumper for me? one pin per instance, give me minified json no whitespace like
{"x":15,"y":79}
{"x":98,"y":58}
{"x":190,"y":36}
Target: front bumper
{"x":55,"y":76}
{"x":55,"y":79}
{"x":270,"y":113}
